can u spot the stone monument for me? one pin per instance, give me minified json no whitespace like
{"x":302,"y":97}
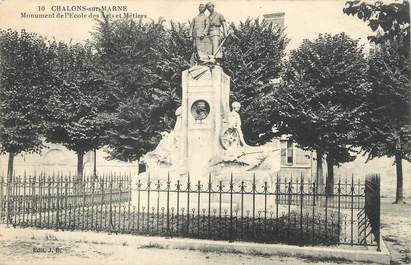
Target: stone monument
{"x":205,"y":100}
{"x":207,"y":138}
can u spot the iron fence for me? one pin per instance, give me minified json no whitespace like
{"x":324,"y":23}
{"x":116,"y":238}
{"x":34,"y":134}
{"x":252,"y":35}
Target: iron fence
{"x":292,"y":211}
{"x":39,"y":197}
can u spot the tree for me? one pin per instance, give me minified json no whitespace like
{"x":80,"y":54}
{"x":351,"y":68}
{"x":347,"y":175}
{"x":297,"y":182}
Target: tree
{"x":253,"y":59}
{"x":385,"y":133}
{"x":388,"y":110}
{"x":76,"y":116}
{"x":24,"y":75}
{"x":321,"y":100}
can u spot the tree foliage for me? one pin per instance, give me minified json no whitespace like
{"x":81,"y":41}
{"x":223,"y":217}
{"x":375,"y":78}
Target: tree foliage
{"x":24,"y":75}
{"x":144,"y":61}
{"x":253,"y":58}
{"x":77,"y":104}
{"x":386,"y":130}
{"x":390,"y":21}
{"x":388,"y":104}
{"x":76,"y":99}
{"x":322,"y":99}
{"x":389,"y":74}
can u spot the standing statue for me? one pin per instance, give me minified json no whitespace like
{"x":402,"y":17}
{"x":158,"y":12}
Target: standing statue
{"x":199,"y":34}
{"x":217,"y":31}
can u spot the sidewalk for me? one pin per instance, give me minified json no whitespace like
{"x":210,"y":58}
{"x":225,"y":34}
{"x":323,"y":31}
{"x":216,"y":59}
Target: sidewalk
{"x":31,"y":252}
{"x":35,"y":246}
{"x":396,"y":230}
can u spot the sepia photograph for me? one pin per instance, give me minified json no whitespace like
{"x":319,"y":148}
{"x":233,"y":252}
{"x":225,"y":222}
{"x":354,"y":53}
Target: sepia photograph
{"x":218,"y":132}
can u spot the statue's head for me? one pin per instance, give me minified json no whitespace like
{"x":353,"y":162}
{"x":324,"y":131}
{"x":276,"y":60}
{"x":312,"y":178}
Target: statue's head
{"x":163,"y":134}
{"x":236,"y":106}
{"x":202,"y":8}
{"x":210,"y":7}
{"x":179,"y":110}
{"x":201,"y":106}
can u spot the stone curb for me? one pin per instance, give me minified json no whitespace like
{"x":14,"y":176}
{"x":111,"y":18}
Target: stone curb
{"x":330,"y":253}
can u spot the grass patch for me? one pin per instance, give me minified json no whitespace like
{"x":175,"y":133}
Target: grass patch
{"x":290,"y":229}
{"x":152,"y":245}
{"x":323,"y":259}
{"x":390,"y":239}
{"x":252,"y":252}
{"x":255,"y":252}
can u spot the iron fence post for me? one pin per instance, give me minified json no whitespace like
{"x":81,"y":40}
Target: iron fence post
{"x":58,"y":202}
{"x":209,"y":205}
{"x":148,"y":203}
{"x":277,"y":198}
{"x":168,"y":204}
{"x":198,"y":207}
{"x":339,"y":208}
{"x":265,"y":187}
{"x":18,"y":193}
{"x":254,"y":191}
{"x":301,"y":205}
{"x":1,"y":199}
{"x":289,"y":206}
{"x":129,"y":200}
{"x":188,"y":204}
{"x":379,"y":216}
{"x":313,"y":213}
{"x":30,"y":203}
{"x":111,"y":180}
{"x":103,"y":203}
{"x":158,"y":205}
{"x":138,"y":204}
{"x":120,"y":186}
{"x":178,"y":204}
{"x":93,"y":194}
{"x":352,"y":210}
{"x":83,"y":206}
{"x":326,"y":212}
{"x":231,"y":208}
{"x":25,"y":201}
{"x":242,"y":208}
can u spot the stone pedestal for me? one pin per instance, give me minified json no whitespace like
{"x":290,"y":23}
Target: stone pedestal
{"x":207,"y":136}
{"x":205,"y":99}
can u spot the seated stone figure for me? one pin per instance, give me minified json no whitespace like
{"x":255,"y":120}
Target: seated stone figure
{"x":232,"y":135}
{"x":167,"y":152}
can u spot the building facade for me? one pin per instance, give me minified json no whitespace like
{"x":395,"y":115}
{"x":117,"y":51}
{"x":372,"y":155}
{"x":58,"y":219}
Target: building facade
{"x":295,"y":162}
{"x":56,"y":159}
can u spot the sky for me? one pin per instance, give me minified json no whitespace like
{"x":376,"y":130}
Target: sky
{"x":303,"y":19}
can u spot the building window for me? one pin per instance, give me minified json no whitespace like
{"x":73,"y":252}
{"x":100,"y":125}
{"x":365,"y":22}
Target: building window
{"x":287,"y":152}
{"x":290,"y":152}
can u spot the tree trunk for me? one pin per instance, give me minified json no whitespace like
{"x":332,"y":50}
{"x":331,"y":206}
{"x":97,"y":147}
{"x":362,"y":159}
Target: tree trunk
{"x":9,"y":186}
{"x":330,"y":175}
{"x":319,"y":175}
{"x":10,"y":167}
{"x":80,"y":159}
{"x":95,"y":163}
{"x":399,"y":196}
